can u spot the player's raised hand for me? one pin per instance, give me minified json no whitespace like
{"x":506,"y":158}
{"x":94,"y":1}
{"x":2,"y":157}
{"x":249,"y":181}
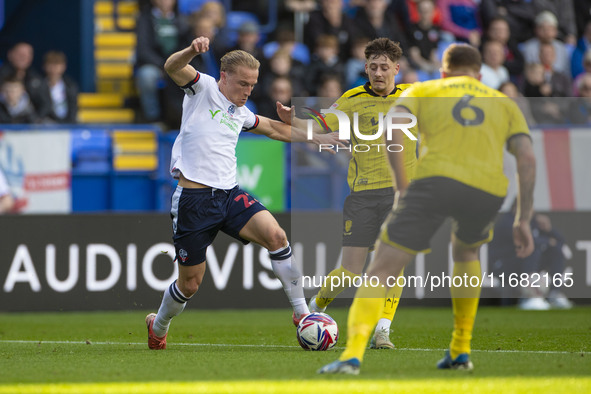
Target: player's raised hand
{"x":328,"y":142}
{"x":200,"y":45}
{"x":523,"y":239}
{"x":284,"y":112}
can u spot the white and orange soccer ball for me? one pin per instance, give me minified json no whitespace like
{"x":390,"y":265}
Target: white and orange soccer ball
{"x":317,"y":331}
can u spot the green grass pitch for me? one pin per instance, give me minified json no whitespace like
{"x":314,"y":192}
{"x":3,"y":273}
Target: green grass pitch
{"x":256,"y":351}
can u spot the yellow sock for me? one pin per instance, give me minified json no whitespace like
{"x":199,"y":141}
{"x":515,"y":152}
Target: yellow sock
{"x":363,"y":316}
{"x":391,"y":301}
{"x":465,"y":304}
{"x":332,"y":288}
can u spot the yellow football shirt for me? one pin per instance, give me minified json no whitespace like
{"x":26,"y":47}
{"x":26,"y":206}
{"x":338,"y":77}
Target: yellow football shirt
{"x":369,"y":168}
{"x":463,"y":126}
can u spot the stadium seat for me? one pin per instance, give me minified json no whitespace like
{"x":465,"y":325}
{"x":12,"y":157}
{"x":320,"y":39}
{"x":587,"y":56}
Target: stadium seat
{"x":114,"y":55}
{"x":109,"y":115}
{"x":135,"y":150}
{"x":235,"y":19}
{"x":91,"y":151}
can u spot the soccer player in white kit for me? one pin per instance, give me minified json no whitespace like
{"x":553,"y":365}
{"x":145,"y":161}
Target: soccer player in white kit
{"x":207,"y":198}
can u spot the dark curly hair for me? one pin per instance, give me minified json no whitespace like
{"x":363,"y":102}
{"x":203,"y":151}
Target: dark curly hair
{"x":383,"y":46}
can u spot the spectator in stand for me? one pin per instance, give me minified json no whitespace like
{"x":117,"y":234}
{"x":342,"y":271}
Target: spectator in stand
{"x":546,"y":31}
{"x":584,"y":86}
{"x":581,"y":110}
{"x":15,"y":104}
{"x":534,"y":84}
{"x":280,"y":90}
{"x":564,"y":11}
{"x":405,"y":67}
{"x":498,"y":30}
{"x":160,"y":32}
{"x":510,"y":90}
{"x":580,"y":52}
{"x":215,"y":11}
{"x":461,"y":18}
{"x":330,"y":20}
{"x":208,"y":61}
{"x":330,"y":86}
{"x":20,"y":58}
{"x":355,"y":66}
{"x":519,"y":14}
{"x":63,"y":90}
{"x":282,"y":65}
{"x":582,"y":15}
{"x":248,"y":40}
{"x":492,"y":71}
{"x":544,"y":109}
{"x":6,"y":198}
{"x":560,"y":82}
{"x":325,"y":60}
{"x":586,"y":71}
{"x":372,"y":21}
{"x":399,"y":8}
{"x":423,"y":41}
{"x":409,"y":76}
{"x":286,"y":40}
{"x":413,"y":12}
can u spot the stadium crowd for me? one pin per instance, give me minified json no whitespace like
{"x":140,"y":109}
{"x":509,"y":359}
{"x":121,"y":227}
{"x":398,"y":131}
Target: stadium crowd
{"x":541,"y":47}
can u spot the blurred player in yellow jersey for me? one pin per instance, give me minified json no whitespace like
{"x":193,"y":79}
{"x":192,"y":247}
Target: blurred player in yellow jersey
{"x":369,"y":178}
{"x":464,"y":126}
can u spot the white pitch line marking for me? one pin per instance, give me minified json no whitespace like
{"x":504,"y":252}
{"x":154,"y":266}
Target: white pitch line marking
{"x":42,"y":342}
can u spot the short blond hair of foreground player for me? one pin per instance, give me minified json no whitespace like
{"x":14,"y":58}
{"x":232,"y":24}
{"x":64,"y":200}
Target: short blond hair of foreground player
{"x":464,"y":181}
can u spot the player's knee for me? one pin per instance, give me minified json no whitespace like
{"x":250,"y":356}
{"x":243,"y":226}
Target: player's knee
{"x":276,"y":238}
{"x":461,"y":254}
{"x":189,"y":286}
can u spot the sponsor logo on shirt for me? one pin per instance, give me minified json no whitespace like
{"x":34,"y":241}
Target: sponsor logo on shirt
{"x":226,"y":118}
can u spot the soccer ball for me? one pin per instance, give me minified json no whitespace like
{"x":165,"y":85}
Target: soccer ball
{"x":317,"y":331}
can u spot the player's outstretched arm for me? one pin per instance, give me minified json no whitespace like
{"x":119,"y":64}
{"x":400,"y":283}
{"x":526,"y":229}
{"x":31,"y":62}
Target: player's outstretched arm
{"x":299,"y":129}
{"x":177,"y":65}
{"x":273,"y":129}
{"x":521,"y":147}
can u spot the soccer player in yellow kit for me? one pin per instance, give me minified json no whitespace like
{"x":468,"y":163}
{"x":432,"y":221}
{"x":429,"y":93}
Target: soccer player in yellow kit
{"x":369,"y":178}
{"x":464,"y":126}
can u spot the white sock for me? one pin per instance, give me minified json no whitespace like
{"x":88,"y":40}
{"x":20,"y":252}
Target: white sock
{"x":173,"y":303}
{"x":383,"y":324}
{"x":315,"y":307}
{"x":284,"y":267}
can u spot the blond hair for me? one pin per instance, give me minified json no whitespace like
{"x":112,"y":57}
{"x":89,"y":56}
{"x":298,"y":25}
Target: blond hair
{"x":234,"y":59}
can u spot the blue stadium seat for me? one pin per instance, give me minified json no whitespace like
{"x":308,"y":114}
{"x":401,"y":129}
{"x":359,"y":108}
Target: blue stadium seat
{"x":91,"y":151}
{"x":187,"y":7}
{"x":235,"y":19}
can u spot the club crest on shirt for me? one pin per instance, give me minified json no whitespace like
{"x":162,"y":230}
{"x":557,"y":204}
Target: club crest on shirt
{"x":231,"y":109}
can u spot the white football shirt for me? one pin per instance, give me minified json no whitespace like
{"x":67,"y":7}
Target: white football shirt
{"x":205,"y":149}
